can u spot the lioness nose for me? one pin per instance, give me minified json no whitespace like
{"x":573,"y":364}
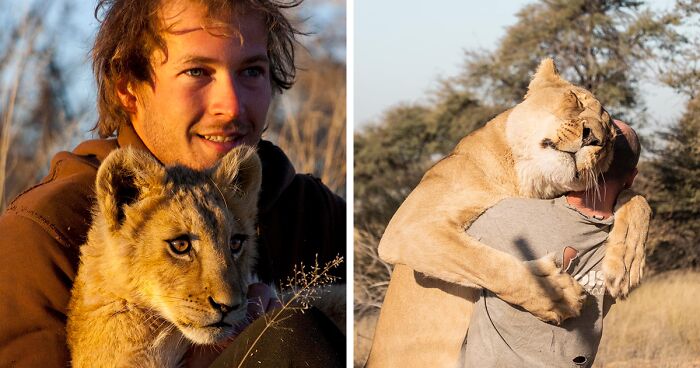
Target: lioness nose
{"x":589,"y":139}
{"x":223,"y":308}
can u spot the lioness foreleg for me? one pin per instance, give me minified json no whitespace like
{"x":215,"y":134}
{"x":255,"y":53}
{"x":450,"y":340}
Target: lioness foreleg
{"x":623,"y":264}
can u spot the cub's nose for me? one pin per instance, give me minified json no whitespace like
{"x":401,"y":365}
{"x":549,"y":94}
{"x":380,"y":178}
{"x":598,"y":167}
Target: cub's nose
{"x":221,"y":307}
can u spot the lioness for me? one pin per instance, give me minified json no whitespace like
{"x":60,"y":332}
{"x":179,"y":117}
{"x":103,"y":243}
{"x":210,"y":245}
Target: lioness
{"x":558,"y":139}
{"x":170,"y":254}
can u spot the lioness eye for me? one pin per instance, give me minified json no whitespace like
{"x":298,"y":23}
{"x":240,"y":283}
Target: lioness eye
{"x":180,"y":245}
{"x":237,"y":241}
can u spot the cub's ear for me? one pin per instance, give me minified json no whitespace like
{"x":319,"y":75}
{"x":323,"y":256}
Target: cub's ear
{"x":547,"y":75}
{"x":123,"y":177}
{"x":239,"y":176}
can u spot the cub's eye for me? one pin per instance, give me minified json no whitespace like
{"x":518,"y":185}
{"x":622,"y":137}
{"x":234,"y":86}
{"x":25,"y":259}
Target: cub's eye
{"x":180,"y":245}
{"x":237,"y":241}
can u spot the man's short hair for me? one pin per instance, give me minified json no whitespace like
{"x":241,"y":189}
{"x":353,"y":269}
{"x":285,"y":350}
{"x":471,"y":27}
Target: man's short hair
{"x":626,"y":151}
{"x":130,"y":31}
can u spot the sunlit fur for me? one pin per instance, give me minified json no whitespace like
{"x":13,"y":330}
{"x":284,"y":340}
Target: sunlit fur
{"x":559,"y":138}
{"x":136,"y":303}
{"x":558,"y":112}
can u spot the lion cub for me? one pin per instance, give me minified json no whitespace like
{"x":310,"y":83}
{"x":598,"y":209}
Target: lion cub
{"x":167,"y":261}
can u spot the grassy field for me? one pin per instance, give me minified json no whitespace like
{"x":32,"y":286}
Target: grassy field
{"x":658,"y":326}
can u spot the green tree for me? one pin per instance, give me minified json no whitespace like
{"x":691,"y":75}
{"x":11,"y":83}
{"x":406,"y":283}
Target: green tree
{"x":674,"y":172}
{"x":601,"y":45}
{"x":683,"y":74}
{"x":674,"y":194}
{"x":390,"y":159}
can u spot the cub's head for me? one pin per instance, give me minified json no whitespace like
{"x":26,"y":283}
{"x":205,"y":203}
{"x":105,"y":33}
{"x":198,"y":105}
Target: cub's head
{"x":181,"y":243}
{"x":560,"y":135}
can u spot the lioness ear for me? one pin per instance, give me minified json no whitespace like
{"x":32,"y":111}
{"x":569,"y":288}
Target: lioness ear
{"x":121,"y":179}
{"x":239,"y":176}
{"x":547,"y":75}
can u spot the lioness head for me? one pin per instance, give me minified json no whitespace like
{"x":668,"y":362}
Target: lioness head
{"x":182,"y":242}
{"x":560,"y":135}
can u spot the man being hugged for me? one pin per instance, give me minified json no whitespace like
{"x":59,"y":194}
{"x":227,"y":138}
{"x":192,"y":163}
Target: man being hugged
{"x":186,"y":81}
{"x":573,"y":228}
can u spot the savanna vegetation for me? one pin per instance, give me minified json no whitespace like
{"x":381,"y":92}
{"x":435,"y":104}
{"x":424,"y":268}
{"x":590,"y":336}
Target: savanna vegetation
{"x":611,"y":47}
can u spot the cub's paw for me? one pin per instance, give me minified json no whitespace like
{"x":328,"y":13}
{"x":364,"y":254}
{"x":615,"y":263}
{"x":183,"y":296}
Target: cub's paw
{"x":623,"y":264}
{"x":550,"y":294}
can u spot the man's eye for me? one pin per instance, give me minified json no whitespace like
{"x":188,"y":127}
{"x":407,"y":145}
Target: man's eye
{"x":253,"y":72}
{"x":195,"y":72}
{"x":237,"y":241}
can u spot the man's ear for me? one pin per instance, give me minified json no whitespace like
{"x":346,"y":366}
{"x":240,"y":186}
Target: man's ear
{"x":239,"y":176}
{"x":124,"y":177}
{"x":630,"y":178}
{"x":127,"y":94}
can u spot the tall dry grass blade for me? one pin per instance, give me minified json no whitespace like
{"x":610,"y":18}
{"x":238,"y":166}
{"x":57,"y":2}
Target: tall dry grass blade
{"x":28,"y":31}
{"x":304,"y":285}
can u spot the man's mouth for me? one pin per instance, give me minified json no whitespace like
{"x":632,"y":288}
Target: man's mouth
{"x":221,"y":142}
{"x":218,"y":138}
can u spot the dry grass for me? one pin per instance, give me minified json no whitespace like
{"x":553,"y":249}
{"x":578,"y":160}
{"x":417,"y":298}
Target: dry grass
{"x":312,"y":130}
{"x":658,"y":326}
{"x":364,"y":326}
{"x":37,"y":119}
{"x":304,"y":288}
{"x":369,"y":285}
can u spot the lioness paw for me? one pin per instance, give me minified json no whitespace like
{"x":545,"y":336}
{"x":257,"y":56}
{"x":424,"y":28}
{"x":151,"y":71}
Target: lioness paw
{"x":550,"y":294}
{"x":624,"y":260}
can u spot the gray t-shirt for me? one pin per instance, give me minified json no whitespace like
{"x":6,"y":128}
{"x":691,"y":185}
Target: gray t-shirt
{"x":503,"y":335}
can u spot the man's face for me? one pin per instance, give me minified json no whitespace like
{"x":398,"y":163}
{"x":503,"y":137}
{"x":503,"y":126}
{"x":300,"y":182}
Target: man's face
{"x":211,"y":93}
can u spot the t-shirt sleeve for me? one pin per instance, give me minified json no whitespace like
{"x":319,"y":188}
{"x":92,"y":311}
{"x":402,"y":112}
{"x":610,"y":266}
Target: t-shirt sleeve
{"x":495,"y":227}
{"x":36,"y":279}
{"x":509,"y":226}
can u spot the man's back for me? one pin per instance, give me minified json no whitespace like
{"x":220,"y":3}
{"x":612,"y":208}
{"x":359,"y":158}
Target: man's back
{"x":503,"y":335}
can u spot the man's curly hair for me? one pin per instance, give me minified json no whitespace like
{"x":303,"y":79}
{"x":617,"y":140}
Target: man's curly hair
{"x":130,"y":30}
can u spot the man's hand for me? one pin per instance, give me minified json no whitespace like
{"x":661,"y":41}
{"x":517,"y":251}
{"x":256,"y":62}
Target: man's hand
{"x":261,"y":299}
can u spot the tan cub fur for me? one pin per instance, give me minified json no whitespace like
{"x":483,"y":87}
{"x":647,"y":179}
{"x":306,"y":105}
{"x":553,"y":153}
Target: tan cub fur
{"x":558,"y":139}
{"x":168,"y":259}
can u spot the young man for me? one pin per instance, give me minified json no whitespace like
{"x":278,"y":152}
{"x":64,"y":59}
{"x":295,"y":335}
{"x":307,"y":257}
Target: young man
{"x":186,"y":81}
{"x":573,"y":228}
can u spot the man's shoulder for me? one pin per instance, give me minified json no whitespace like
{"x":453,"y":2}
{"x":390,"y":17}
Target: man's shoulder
{"x":61,"y":202}
{"x":515,"y":206}
{"x":281,"y":182}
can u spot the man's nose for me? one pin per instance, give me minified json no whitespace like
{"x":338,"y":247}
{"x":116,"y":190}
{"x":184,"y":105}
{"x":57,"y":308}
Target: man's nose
{"x":225,"y":98}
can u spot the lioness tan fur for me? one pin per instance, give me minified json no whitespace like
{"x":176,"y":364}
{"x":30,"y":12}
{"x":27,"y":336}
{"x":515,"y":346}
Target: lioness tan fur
{"x":167,"y":260}
{"x":558,"y":139}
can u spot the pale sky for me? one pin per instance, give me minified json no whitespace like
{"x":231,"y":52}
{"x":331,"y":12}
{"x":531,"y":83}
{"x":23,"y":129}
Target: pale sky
{"x":401,"y":49}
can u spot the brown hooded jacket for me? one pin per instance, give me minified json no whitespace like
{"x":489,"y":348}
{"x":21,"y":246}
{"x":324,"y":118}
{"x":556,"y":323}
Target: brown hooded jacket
{"x":43,"y":228}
